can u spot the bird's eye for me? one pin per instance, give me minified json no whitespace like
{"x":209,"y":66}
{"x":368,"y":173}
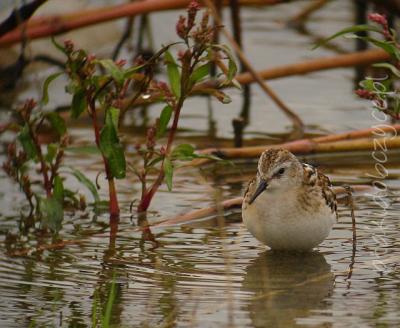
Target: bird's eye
{"x":281,"y":171}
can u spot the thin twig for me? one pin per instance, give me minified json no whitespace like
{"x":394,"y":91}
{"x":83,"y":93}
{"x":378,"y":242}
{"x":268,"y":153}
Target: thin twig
{"x":296,"y":121}
{"x":125,"y":37}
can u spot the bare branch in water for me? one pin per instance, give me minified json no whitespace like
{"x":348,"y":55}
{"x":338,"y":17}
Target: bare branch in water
{"x":20,"y":15}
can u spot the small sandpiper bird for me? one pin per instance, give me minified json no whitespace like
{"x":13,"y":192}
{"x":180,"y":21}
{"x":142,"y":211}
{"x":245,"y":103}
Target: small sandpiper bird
{"x":288,"y":205}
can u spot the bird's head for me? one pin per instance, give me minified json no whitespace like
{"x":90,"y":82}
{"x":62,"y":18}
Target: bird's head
{"x":278,"y":169}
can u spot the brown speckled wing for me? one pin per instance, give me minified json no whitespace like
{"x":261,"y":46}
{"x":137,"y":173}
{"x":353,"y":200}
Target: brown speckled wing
{"x":315,"y":179}
{"x":249,"y":191}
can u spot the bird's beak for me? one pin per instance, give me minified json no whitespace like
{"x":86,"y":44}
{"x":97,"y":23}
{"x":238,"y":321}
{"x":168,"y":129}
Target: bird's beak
{"x":261,"y":187}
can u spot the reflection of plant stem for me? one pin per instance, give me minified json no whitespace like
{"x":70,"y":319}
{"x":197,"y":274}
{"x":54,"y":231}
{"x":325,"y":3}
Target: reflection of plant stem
{"x":147,"y":235}
{"x":226,"y":255}
{"x":349,"y":191}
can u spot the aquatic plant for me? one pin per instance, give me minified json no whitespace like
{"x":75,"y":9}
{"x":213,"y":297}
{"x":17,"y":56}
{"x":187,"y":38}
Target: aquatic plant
{"x":193,"y":66}
{"x":26,"y":152}
{"x":104,"y":89}
{"x":383,"y":92}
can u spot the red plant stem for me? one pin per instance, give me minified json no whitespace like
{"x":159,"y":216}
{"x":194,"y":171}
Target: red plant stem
{"x":174,"y":126}
{"x":46,"y":181}
{"x":148,"y":196}
{"x":114,"y":207}
{"x":43,"y":165}
{"x":187,"y":70}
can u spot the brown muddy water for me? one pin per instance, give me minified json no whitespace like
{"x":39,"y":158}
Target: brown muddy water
{"x":213,"y":273}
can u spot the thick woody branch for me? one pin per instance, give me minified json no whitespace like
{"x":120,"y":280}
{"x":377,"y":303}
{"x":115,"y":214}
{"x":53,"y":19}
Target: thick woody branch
{"x":360,"y":58}
{"x":47,"y":26}
{"x":349,"y":141}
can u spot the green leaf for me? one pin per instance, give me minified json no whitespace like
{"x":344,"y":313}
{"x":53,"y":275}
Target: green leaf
{"x":165,"y":117}
{"x":52,"y":213}
{"x":232,"y":67}
{"x":368,"y":84}
{"x":51,"y":152}
{"x":57,"y":123}
{"x":392,"y":68}
{"x":389,"y":47}
{"x":102,"y":206}
{"x":25,"y":139}
{"x":396,"y":106}
{"x":79,"y":59}
{"x":113,"y":152}
{"x":58,"y":189}
{"x":95,"y":304}
{"x":112,"y":117}
{"x":168,"y":170}
{"x":200,"y":72}
{"x":236,"y":84}
{"x":45,"y":95}
{"x":110,"y":146}
{"x":132,"y":70}
{"x":57,"y":45}
{"x":115,"y":71}
{"x":86,"y":182}
{"x":79,"y":103}
{"x":352,"y":29}
{"x":154,"y":161}
{"x":183,"y":151}
{"x":173,"y":74}
{"x":221,"y":96}
{"x":71,"y":196}
{"x":214,"y":158}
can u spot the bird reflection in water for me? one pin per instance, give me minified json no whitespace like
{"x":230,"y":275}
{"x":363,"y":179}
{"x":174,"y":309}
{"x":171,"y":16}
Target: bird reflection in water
{"x":286,"y":287}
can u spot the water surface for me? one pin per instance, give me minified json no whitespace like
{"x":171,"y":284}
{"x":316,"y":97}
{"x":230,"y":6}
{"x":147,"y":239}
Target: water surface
{"x":213,"y":273}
